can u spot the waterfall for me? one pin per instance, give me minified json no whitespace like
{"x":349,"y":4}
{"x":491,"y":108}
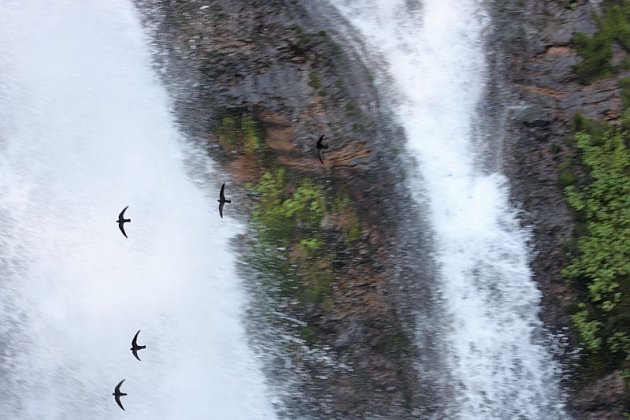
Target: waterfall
{"x":86,"y":129}
{"x":429,"y":63}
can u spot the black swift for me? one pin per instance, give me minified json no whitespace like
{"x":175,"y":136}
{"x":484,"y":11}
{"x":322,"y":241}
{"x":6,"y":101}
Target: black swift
{"x":222,"y":200}
{"x":117,"y":394}
{"x":135,"y":347}
{"x":320,"y":147}
{"x":121,"y":221}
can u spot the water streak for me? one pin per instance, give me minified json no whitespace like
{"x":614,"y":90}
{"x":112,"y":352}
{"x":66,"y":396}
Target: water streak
{"x":433,"y":77}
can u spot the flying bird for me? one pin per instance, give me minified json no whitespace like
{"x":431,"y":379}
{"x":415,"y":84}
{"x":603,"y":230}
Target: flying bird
{"x":121,"y":221}
{"x":320,"y":147}
{"x":222,"y":200}
{"x":117,"y":394}
{"x":135,"y":347}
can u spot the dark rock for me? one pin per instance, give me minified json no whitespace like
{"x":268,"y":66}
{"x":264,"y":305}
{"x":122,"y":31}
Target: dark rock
{"x":531,"y":116}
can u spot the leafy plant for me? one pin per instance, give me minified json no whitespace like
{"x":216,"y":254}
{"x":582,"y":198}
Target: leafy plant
{"x":587,"y":329}
{"x":596,"y":51}
{"x":600,"y":264}
{"x":605,"y":204}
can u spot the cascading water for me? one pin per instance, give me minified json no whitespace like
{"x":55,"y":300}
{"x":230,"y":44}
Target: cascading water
{"x":429,"y":61}
{"x":85,"y":129}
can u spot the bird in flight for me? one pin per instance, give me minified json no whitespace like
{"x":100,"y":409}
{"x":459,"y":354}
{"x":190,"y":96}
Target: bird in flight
{"x":320,"y":147}
{"x":135,"y":347}
{"x":222,"y":200}
{"x":121,"y":221}
{"x":117,"y":394}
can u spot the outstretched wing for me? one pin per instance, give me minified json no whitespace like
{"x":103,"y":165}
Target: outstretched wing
{"x":222,"y":194}
{"x":117,"y":398}
{"x":122,"y":213}
{"x":319,"y":142}
{"x":117,"y":395}
{"x":221,"y":204}
{"x":117,"y":390}
{"x":122,"y":229}
{"x":319,"y":155}
{"x":134,"y":342}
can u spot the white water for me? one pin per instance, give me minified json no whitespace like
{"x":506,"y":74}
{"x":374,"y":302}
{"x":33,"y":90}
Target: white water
{"x":85,"y":129}
{"x":435,"y":62}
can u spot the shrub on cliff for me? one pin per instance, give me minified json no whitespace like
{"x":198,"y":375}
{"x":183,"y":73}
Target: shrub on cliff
{"x":601,"y":264}
{"x":597,"y":50}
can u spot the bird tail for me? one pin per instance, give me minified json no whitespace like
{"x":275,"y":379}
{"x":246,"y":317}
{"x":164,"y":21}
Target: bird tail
{"x":228,"y":201}
{"x":142,"y":347}
{"x":126,"y":220}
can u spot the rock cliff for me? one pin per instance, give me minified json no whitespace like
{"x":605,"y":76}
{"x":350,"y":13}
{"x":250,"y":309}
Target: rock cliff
{"x":542,"y":94}
{"x":256,"y":82}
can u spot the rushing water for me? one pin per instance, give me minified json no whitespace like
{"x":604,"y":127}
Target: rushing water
{"x":85,"y":129}
{"x":430,"y":65}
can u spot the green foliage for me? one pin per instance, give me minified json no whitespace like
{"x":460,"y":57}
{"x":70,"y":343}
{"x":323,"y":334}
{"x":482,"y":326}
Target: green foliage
{"x":567,"y":177}
{"x":286,"y":218}
{"x":268,"y":216}
{"x":605,"y":203}
{"x":316,"y":286}
{"x":250,"y":135}
{"x":600,"y":264}
{"x":350,"y":223}
{"x":625,"y":92}
{"x":310,"y":244}
{"x":619,"y":342}
{"x":228,"y":130}
{"x":240,"y":132}
{"x":587,"y":329}
{"x":313,"y":81}
{"x":596,"y":51}
{"x":571,"y":4}
{"x":278,"y":211}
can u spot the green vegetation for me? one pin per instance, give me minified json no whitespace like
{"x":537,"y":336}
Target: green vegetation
{"x":287,"y":218}
{"x":597,"y":50}
{"x":600,"y":262}
{"x":587,"y":329}
{"x":313,"y":81}
{"x":299,"y":226}
{"x":567,"y":176}
{"x":241,"y":133}
{"x":571,"y":4}
{"x":349,"y":220}
{"x":625,"y":92}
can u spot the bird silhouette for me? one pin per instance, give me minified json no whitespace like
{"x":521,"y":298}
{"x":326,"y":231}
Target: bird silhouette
{"x":222,"y":200}
{"x":135,"y":347}
{"x":121,"y":221}
{"x":320,"y":147}
{"x":117,"y":394}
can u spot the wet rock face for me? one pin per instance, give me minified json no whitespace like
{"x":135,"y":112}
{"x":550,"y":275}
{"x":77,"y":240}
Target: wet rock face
{"x":603,"y":399}
{"x":267,"y":64}
{"x":542,"y":95}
